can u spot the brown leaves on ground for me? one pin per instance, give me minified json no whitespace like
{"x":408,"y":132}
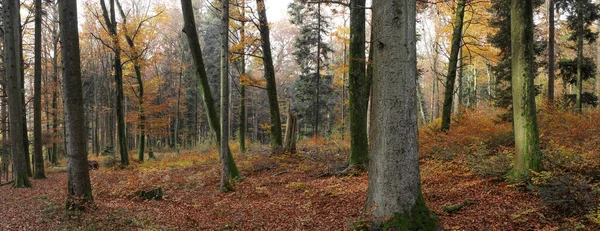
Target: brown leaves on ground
{"x":294,"y":192}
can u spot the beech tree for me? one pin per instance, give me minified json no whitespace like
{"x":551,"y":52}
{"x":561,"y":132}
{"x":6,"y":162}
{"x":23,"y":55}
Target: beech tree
{"x":527,"y":142}
{"x":394,"y":179}
{"x":12,"y":66}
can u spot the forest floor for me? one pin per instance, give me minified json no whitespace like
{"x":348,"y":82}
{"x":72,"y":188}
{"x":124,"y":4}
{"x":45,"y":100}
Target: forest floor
{"x":303,"y":192}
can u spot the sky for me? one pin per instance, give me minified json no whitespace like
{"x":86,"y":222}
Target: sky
{"x":276,"y":9}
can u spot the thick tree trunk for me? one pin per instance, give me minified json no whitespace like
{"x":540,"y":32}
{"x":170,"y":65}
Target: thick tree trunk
{"x":38,"y":157}
{"x":79,"y":187}
{"x":358,"y":88}
{"x":209,"y":105}
{"x":452,"y":66}
{"x":527,"y":143}
{"x":12,"y":66}
{"x":276,"y":141}
{"x":394,"y":180}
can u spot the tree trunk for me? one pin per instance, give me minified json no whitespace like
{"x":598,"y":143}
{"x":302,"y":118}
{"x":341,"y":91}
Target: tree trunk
{"x":12,"y":66}
{"x":38,"y":157}
{"x":79,"y":187}
{"x":527,"y":143}
{"x":225,"y":186}
{"x":209,"y":105}
{"x":580,"y":35}
{"x":358,"y":88}
{"x":243,"y":118}
{"x":452,"y":65}
{"x":394,"y":180}
{"x":290,"y":132}
{"x":111,"y":23}
{"x":270,"y":77}
{"x":551,"y":42}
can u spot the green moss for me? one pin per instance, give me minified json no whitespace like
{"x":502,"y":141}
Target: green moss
{"x":420,"y":218}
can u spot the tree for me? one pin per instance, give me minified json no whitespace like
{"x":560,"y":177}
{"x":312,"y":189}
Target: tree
{"x":527,"y":141}
{"x":359,"y":87}
{"x":38,"y":158}
{"x":79,"y":187}
{"x":551,"y":42}
{"x":243,"y":118}
{"x":501,"y":20}
{"x":136,"y":53}
{"x":582,"y":15}
{"x":12,"y":65}
{"x":203,"y":85}
{"x":452,"y":65}
{"x":111,"y":25}
{"x":312,"y":91}
{"x":276,"y":141}
{"x":394,"y":179}
{"x":225,"y":186}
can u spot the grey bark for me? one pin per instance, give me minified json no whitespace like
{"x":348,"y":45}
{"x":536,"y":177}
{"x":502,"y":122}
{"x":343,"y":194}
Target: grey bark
{"x":79,"y":187}
{"x":394,"y":189}
{"x":12,"y":66}
{"x":225,"y":186}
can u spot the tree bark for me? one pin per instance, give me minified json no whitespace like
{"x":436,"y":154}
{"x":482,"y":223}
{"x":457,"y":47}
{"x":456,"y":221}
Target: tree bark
{"x":580,"y":35}
{"x":203,"y":85}
{"x":358,"y":87}
{"x":394,"y":193}
{"x":38,"y":157}
{"x":225,"y":186}
{"x":243,"y":118}
{"x":527,"y":143}
{"x":452,"y":65}
{"x":551,"y":42}
{"x":79,"y":187}
{"x":12,"y":66}
{"x":276,"y":141}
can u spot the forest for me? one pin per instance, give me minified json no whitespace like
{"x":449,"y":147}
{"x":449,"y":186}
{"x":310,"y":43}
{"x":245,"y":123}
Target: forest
{"x":299,"y":115}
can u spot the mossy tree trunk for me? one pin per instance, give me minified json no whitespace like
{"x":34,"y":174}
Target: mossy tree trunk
{"x":12,"y":64}
{"x":79,"y":187}
{"x":452,"y":65}
{"x":527,"y":143}
{"x":358,"y":87}
{"x":203,"y":85}
{"x":276,"y":141}
{"x":394,"y":179}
